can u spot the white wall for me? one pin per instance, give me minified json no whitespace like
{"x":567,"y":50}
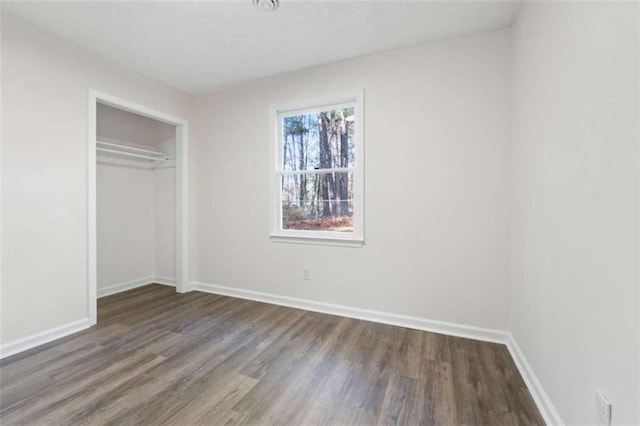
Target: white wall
{"x":136,"y":224}
{"x":164,"y":223}
{"x":120,"y":125}
{"x":125,"y":221}
{"x":45,"y":86}
{"x":436,"y":166}
{"x":574,"y":306}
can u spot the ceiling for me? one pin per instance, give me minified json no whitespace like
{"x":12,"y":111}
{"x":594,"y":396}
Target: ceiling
{"x":202,"y":46}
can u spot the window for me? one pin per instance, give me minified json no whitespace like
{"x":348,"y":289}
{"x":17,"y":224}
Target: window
{"x":318,"y":171}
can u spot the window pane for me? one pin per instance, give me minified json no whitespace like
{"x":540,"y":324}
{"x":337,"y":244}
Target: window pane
{"x":318,"y":140}
{"x":318,"y":202}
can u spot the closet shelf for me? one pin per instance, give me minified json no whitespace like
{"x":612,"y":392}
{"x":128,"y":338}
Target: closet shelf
{"x":130,"y":151}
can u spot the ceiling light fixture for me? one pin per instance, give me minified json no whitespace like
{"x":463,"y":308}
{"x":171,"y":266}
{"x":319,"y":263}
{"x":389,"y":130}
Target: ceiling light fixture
{"x":267,"y":5}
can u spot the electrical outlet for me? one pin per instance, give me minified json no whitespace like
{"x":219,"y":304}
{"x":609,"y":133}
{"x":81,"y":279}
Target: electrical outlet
{"x":603,"y":407}
{"x":306,"y":274}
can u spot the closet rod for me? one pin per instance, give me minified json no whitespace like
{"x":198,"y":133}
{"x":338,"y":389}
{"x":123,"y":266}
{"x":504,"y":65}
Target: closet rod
{"x":131,"y":148}
{"x":131,"y":154}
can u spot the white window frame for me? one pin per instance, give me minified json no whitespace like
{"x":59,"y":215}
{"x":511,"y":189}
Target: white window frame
{"x":277,"y":113}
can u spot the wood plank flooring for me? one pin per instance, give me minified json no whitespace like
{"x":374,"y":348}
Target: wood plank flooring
{"x":158,"y":357}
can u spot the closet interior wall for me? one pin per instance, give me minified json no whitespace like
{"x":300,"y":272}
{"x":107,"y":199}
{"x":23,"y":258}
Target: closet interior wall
{"x":136,"y":201}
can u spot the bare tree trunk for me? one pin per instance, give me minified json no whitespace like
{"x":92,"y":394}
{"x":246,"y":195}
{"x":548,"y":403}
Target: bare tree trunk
{"x":325,"y":163}
{"x":333,"y":193}
{"x":293,"y":166}
{"x":344,"y":177}
{"x":303,"y":178}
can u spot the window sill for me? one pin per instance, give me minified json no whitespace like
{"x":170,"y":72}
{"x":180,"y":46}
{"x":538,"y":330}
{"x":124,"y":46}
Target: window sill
{"x":321,"y":241}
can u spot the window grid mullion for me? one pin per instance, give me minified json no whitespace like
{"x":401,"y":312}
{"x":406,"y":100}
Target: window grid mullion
{"x":315,"y":171}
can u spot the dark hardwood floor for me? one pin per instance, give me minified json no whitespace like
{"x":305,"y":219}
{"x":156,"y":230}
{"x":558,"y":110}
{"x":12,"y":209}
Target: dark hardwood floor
{"x":158,"y":357}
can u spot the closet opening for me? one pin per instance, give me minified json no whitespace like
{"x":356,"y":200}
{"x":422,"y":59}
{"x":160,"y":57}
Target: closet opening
{"x":137,"y":198}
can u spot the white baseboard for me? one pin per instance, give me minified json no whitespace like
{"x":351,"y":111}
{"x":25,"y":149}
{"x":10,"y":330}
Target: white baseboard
{"x":130,"y":285}
{"x":548,"y":411}
{"x":47,"y":336}
{"x":37,"y":339}
{"x":451,"y":329}
{"x":164,"y":281}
